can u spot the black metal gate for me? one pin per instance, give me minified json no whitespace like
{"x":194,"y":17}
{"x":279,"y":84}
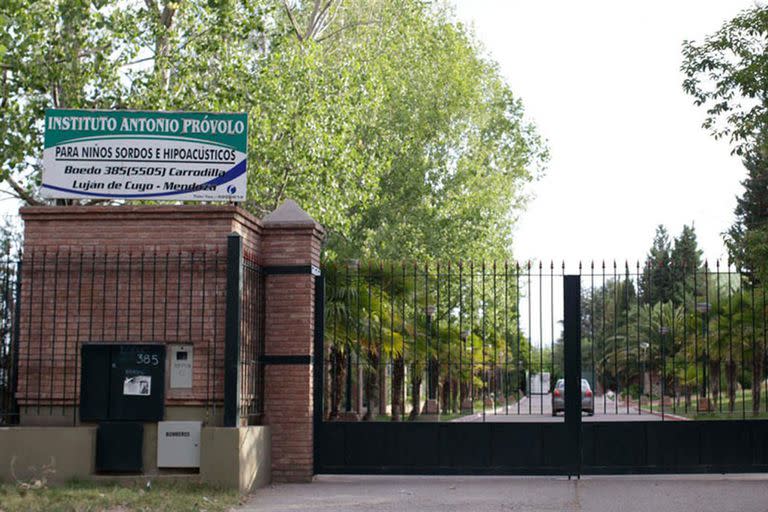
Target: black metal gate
{"x":456,"y":369}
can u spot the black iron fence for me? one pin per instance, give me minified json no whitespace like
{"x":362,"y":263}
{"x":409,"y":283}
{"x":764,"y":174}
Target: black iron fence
{"x":72,"y":297}
{"x":9,"y":272}
{"x":675,"y":342}
{"x":473,"y":341}
{"x":440,"y":341}
{"x":252,"y":341}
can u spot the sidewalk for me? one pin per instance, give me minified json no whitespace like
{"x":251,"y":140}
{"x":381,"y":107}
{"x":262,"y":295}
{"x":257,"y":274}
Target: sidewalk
{"x":676,"y":493}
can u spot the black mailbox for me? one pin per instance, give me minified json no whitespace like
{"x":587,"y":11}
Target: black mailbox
{"x":122,"y":382}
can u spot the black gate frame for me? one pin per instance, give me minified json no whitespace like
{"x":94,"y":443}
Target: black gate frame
{"x":571,"y":448}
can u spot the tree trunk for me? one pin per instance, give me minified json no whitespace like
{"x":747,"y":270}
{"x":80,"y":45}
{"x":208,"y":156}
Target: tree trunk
{"x":415,"y":393}
{"x":446,"y":390}
{"x":714,"y":381}
{"x":371,"y":385}
{"x":338,"y":375}
{"x":382,"y":388}
{"x":757,"y":377}
{"x":730,"y":369}
{"x":398,"y":380}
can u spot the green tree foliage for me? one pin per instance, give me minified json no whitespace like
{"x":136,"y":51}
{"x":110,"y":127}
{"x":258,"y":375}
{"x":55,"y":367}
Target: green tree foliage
{"x":747,"y":238}
{"x":656,"y":281}
{"x":727,"y":74}
{"x":384,"y":119}
{"x":685,"y":262}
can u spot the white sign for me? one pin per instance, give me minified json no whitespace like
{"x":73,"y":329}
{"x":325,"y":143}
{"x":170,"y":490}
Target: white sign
{"x":141,"y":385}
{"x":120,"y":154}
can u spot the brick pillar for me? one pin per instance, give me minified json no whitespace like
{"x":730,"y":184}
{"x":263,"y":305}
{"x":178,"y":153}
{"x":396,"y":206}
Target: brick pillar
{"x":291,"y":242}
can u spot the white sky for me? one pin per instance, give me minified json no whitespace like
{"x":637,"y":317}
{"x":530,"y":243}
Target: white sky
{"x":601,"y":80}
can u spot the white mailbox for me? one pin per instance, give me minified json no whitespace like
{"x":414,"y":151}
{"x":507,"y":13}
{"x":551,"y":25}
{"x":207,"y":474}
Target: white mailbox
{"x":182,"y":363}
{"x":178,"y":444}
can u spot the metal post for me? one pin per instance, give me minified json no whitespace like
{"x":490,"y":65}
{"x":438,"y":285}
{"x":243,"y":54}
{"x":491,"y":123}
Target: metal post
{"x":16,"y":337}
{"x":318,"y":361}
{"x":572,"y":339}
{"x":232,"y":333}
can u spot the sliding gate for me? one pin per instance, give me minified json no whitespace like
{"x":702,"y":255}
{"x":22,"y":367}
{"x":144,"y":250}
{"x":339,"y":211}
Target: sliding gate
{"x":522,"y":369}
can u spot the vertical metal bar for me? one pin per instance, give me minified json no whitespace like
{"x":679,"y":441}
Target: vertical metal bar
{"x":530,"y":344}
{"x":485,"y":314}
{"x":51,"y":370}
{"x":707,"y":307}
{"x":436,"y":378}
{"x":719,"y":339}
{"x":696,"y":344}
{"x":348,"y":380}
{"x":626,"y":337}
{"x":592,"y":339}
{"x":104,"y":301}
{"x":639,"y":363}
{"x":663,"y":361}
{"x":495,"y":339}
{"x":427,"y":335}
{"x":178,"y":291}
{"x":117,"y":296}
{"x":541,"y":339}
{"x":30,"y":300}
{"x":755,"y":365}
{"x":76,"y":376}
{"x":449,"y":383}
{"x":130,"y":298}
{"x":16,"y":340}
{"x":154,"y":294}
{"x":687,"y":390}
{"x":213,"y":341}
{"x":506,"y":337}
{"x":552,"y":323}
{"x":405,"y":344}
{"x":471,"y":335}
{"x":318,"y":361}
{"x":141,"y":298}
{"x":66,"y":334}
{"x":604,"y":293}
{"x":572,"y":352}
{"x":203,"y":320}
{"x":462,"y":337}
{"x":233,"y":329}
{"x":382,"y":399}
{"x":369,"y":307}
{"x":672,"y":346}
{"x":741,"y":345}
{"x":615,"y":337}
{"x":518,"y":360}
{"x":731,"y":368}
{"x":357,"y":338}
{"x":392,"y":336}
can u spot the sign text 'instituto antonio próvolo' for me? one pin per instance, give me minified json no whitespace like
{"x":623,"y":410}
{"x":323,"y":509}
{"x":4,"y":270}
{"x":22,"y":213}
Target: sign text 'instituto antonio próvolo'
{"x":123,"y":154}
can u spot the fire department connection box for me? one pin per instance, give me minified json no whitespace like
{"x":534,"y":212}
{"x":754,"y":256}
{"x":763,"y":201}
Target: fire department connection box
{"x":178,"y":444}
{"x":182,"y":362}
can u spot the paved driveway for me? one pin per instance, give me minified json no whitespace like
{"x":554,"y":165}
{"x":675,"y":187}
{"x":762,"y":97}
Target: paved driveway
{"x":538,"y":409}
{"x":709,"y":493}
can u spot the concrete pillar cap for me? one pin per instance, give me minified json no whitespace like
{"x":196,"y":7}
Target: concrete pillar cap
{"x":289,"y":214}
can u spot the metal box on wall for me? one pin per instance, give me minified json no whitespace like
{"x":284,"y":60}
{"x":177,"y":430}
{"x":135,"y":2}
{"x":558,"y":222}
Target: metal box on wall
{"x":181,"y":366}
{"x":122,"y":382}
{"x":178,"y":444}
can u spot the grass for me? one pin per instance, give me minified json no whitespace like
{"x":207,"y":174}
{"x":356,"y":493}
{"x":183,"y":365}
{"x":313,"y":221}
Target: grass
{"x":742,"y":407}
{"x":96,"y":496}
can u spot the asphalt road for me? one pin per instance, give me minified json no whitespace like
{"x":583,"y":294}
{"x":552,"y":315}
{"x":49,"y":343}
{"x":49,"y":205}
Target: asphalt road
{"x":538,"y":409}
{"x":706,"y":493}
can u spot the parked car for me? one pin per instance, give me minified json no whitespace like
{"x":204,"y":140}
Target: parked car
{"x":587,"y":398}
